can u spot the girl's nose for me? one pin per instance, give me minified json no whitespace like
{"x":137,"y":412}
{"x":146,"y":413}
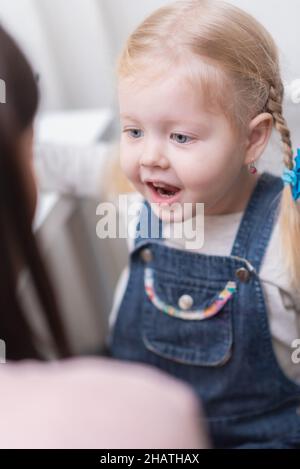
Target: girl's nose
{"x":153,"y":156}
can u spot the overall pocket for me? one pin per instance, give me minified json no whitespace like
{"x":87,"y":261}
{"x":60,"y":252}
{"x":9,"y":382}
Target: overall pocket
{"x":187,"y":320}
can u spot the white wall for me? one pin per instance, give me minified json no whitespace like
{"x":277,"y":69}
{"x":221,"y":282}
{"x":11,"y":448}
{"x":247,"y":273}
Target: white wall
{"x":21,"y":18}
{"x":81,"y":49}
{"x":67,"y":44}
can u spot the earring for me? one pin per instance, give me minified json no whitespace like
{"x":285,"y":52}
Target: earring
{"x":252,"y":169}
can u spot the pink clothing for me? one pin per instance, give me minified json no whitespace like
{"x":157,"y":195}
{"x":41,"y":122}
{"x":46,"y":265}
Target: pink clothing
{"x":96,"y":403}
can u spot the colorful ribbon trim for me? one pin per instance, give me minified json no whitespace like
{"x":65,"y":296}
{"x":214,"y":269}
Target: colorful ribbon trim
{"x":208,"y":312}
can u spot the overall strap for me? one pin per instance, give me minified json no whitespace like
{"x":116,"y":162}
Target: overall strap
{"x":149,"y":227}
{"x":258,"y":219}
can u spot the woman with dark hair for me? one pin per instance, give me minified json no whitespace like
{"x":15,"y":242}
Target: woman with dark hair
{"x":71,"y":403}
{"x":18,"y":246}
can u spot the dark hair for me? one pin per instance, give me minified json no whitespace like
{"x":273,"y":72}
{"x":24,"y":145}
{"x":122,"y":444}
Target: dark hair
{"x":16,"y":237}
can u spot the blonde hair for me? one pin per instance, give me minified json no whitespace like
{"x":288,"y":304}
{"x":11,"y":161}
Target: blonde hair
{"x":238,"y":73}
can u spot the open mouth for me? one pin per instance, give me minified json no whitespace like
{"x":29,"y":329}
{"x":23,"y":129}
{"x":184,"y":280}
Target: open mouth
{"x":163,"y":190}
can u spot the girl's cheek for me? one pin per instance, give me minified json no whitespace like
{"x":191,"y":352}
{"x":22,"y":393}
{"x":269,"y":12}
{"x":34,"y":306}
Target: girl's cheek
{"x":129,"y":165}
{"x":205,"y":172}
{"x":195,"y":175}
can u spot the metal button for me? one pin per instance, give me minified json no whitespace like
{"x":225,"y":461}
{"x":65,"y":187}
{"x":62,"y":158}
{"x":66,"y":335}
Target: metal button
{"x":185,"y":302}
{"x":242,"y":274}
{"x":146,"y":255}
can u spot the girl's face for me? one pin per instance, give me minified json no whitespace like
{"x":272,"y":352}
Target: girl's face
{"x":173,"y":150}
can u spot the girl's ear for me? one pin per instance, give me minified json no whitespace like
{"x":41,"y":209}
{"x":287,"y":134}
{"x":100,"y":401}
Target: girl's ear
{"x":259,"y":133}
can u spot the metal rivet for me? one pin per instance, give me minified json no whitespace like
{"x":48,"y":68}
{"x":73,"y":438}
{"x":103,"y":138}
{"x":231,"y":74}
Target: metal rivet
{"x":242,"y":274}
{"x":146,"y":255}
{"x":185,"y":302}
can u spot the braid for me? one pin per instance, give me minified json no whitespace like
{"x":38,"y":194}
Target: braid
{"x":274,"y":106}
{"x":289,"y":213}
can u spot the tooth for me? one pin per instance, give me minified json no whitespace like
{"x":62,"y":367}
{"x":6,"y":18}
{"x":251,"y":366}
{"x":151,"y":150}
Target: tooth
{"x":159,"y":184}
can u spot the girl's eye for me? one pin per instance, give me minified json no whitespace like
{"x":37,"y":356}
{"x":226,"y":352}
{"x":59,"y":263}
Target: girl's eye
{"x":180,"y":138}
{"x":135,"y":133}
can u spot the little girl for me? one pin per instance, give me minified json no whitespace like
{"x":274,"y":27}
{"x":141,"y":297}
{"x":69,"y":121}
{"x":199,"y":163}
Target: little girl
{"x":200,"y":92}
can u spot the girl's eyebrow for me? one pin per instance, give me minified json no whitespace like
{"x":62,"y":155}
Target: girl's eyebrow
{"x":130,"y":118}
{"x":127,"y":116}
{"x":169,"y":121}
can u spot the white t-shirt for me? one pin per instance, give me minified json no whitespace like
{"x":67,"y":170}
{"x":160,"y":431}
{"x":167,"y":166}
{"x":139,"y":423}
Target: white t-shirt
{"x":283,"y":305}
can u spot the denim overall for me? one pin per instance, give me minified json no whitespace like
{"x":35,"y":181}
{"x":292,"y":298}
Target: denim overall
{"x":227,"y":357}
